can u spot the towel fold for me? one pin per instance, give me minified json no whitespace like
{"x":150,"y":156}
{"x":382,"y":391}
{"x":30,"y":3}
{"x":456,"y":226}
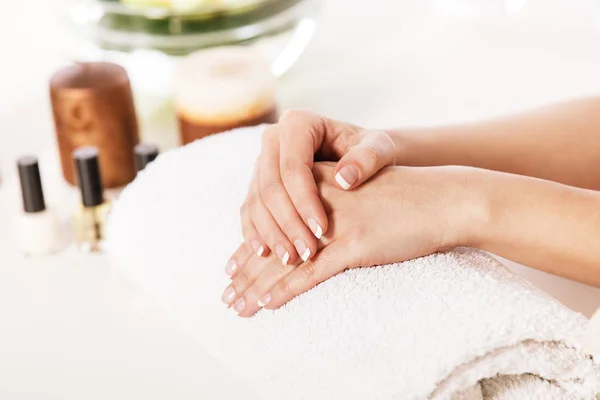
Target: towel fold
{"x":456,"y":325}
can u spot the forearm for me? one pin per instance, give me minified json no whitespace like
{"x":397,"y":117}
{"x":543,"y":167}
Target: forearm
{"x":559,"y":143}
{"x":542,"y":224}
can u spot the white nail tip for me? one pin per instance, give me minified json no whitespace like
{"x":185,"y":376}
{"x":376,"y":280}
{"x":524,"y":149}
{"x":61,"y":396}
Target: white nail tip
{"x":260,"y":251}
{"x":319,"y":232}
{"x":264,"y":301}
{"x":286,"y":258}
{"x":341,"y":181}
{"x":305,"y":255}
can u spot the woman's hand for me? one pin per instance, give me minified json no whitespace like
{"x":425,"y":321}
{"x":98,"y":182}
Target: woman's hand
{"x":401,"y":214}
{"x":282,"y":212}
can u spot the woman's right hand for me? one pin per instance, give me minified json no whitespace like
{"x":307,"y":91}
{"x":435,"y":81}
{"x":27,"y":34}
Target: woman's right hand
{"x":282,"y":212}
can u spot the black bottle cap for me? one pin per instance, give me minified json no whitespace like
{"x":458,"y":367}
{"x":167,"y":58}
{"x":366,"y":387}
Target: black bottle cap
{"x":31,"y":184}
{"x":145,"y":153}
{"x":88,"y":176}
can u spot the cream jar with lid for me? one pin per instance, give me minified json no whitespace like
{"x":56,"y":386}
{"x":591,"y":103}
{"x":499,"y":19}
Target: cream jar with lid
{"x":221,"y":89}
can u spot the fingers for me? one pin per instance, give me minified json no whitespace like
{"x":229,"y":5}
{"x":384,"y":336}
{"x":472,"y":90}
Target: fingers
{"x":239,"y":259}
{"x":269,"y":231}
{"x":283,"y":229}
{"x":374,"y":151}
{"x":249,"y":231}
{"x":302,"y":136}
{"x":330,"y":261}
{"x":242,"y":293}
{"x":278,"y":284}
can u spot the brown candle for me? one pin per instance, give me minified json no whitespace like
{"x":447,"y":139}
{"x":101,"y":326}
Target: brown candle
{"x":220,"y":89}
{"x":92,"y":105}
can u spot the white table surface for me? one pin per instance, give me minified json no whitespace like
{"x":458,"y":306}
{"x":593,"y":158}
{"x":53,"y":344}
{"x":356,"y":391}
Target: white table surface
{"x":72,"y":329}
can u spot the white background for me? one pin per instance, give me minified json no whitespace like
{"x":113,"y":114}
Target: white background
{"x":72,"y":329}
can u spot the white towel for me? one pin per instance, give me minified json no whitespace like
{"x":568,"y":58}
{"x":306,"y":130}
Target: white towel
{"x":450,"y":326}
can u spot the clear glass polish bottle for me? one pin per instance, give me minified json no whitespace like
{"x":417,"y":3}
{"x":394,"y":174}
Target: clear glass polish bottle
{"x":89,"y":220}
{"x":38,"y":229}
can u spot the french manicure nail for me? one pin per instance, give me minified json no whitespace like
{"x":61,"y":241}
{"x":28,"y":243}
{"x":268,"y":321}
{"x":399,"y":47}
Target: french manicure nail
{"x":228,"y":295}
{"x":258,"y":248}
{"x":346,"y":177}
{"x":302,"y":249}
{"x":239,"y":305}
{"x":282,"y":253}
{"x":264,"y":301}
{"x":230,"y":268}
{"x":315,"y":228}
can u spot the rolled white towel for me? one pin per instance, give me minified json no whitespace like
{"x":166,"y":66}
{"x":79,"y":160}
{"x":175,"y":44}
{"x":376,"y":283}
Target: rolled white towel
{"x":456,"y":325}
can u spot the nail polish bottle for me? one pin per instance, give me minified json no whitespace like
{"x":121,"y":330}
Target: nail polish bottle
{"x":145,"y":153}
{"x":90,"y":219}
{"x":38,"y":229}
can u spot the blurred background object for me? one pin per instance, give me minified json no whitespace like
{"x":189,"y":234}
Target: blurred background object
{"x":478,"y":7}
{"x":92,"y":105}
{"x":222,"y":89}
{"x":148,"y":36}
{"x":146,"y":33}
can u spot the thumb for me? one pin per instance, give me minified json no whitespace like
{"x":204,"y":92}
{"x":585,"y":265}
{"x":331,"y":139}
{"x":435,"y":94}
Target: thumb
{"x":374,"y":151}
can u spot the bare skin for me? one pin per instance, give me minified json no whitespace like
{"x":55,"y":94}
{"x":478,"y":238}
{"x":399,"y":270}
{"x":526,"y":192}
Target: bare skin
{"x":560,"y":143}
{"x":547,"y":225}
{"x":282,"y":213}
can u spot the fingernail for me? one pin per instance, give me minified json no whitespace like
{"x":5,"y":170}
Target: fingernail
{"x":258,"y":248}
{"x":315,"y":228}
{"x":264,"y":301}
{"x":230,"y":268}
{"x":228,"y":295}
{"x":239,"y":305}
{"x":282,"y":253}
{"x":302,"y":249}
{"x":346,"y":177}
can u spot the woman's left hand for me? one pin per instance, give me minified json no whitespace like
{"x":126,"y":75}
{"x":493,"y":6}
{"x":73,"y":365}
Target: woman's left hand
{"x":400,"y":214}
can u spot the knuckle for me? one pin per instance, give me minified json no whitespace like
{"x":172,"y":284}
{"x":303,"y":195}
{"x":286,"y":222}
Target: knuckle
{"x":309,"y":272}
{"x":240,"y":283}
{"x":269,"y":133}
{"x":285,"y":287}
{"x":270,"y":190}
{"x":355,"y":237}
{"x":280,"y":270}
{"x":292,"y":114}
{"x":250,"y":201}
{"x":289,"y":169}
{"x":251,"y":295}
{"x":287,"y":225}
{"x":244,"y":210}
{"x":371,"y":155}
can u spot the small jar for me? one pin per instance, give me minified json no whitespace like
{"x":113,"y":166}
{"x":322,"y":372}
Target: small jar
{"x":38,"y":229}
{"x":221,"y":89}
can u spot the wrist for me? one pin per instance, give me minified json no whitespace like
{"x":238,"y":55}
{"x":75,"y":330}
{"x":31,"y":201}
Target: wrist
{"x":402,"y":143}
{"x":469,"y":206}
{"x":415,"y":147}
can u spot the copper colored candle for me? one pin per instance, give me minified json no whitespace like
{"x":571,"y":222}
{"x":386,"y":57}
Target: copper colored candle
{"x":92,"y":105}
{"x":220,"y":89}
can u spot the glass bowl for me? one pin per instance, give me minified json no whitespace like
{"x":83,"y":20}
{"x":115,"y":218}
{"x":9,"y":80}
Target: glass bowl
{"x":178,"y":27}
{"x":147,"y":36}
